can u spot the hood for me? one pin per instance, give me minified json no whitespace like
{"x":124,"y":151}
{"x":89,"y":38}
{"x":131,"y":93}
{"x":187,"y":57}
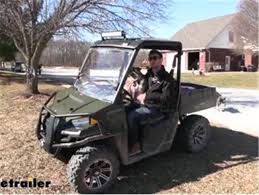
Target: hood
{"x":70,"y":101}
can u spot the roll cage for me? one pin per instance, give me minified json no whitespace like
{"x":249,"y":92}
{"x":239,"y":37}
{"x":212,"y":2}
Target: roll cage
{"x":136,"y":44}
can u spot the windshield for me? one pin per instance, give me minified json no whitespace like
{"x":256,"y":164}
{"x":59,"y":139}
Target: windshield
{"x":102,"y":72}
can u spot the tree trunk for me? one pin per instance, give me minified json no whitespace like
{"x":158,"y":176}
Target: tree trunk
{"x":32,"y":80}
{"x":33,"y":65}
{"x":32,"y":83}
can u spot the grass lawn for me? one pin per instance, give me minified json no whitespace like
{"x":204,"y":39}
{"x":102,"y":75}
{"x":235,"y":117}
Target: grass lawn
{"x":242,"y":80}
{"x":228,"y":165}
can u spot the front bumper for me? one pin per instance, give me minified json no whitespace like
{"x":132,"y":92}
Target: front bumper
{"x":51,"y":137}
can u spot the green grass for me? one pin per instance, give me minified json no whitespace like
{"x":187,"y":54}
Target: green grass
{"x":242,"y":80}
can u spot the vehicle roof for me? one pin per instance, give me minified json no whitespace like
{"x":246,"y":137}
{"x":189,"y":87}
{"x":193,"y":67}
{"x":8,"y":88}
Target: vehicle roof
{"x":137,"y":43}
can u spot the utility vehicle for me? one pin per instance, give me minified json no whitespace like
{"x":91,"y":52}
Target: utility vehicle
{"x":90,"y":118}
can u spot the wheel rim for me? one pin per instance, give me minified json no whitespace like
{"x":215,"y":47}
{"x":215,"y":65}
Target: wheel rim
{"x":199,"y":135}
{"x":98,"y":174}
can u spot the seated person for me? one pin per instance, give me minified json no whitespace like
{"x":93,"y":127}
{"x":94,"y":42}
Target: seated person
{"x":156,"y":100}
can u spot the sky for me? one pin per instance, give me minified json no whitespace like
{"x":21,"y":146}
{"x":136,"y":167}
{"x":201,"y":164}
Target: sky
{"x":187,"y":11}
{"x":183,"y":12}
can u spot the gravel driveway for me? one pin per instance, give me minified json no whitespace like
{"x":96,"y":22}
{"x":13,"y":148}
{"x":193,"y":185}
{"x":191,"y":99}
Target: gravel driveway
{"x":240,"y":112}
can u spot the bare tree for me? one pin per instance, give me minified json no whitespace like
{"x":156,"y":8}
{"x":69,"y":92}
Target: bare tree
{"x":33,"y":23}
{"x":65,"y":52}
{"x":246,"y":24}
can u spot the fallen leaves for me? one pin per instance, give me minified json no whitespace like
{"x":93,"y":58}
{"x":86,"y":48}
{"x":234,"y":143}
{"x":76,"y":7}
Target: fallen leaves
{"x":230,"y":165}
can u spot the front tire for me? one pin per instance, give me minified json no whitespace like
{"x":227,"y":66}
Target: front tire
{"x":194,"y":133}
{"x":93,"y":170}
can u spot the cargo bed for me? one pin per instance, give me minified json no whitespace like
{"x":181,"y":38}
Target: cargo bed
{"x":197,"y":97}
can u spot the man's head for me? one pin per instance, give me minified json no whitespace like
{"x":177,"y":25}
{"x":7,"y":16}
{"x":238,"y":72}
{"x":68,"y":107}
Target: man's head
{"x":155,"y":59}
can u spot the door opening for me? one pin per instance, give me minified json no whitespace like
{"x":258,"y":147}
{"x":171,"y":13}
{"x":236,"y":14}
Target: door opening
{"x":193,"y":60}
{"x":227,"y":63}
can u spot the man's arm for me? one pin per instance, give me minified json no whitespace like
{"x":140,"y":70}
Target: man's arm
{"x":154,"y":96}
{"x":165,"y":96}
{"x":168,"y":91}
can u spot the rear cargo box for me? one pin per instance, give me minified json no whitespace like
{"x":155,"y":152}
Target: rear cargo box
{"x":197,"y":97}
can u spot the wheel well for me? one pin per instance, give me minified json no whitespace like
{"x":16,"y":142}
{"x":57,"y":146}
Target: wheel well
{"x":107,"y":142}
{"x":182,"y":117}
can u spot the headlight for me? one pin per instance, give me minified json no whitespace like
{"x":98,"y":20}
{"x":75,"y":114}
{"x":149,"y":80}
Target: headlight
{"x":84,"y":122}
{"x":81,"y":123}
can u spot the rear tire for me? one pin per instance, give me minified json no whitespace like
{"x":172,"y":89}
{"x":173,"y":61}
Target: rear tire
{"x":93,"y":170}
{"x":194,"y":133}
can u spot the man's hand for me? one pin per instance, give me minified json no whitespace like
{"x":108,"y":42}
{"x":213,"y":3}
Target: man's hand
{"x":141,"y":98}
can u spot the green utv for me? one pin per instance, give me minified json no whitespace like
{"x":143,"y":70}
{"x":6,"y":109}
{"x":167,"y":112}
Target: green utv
{"x":89,"y":119}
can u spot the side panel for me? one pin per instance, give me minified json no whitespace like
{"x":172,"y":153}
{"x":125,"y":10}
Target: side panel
{"x":112,"y":120}
{"x":163,"y":140}
{"x":159,"y":137}
{"x":121,"y":143}
{"x":197,"y":97}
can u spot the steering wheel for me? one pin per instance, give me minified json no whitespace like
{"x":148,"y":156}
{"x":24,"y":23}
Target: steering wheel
{"x":136,"y":73}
